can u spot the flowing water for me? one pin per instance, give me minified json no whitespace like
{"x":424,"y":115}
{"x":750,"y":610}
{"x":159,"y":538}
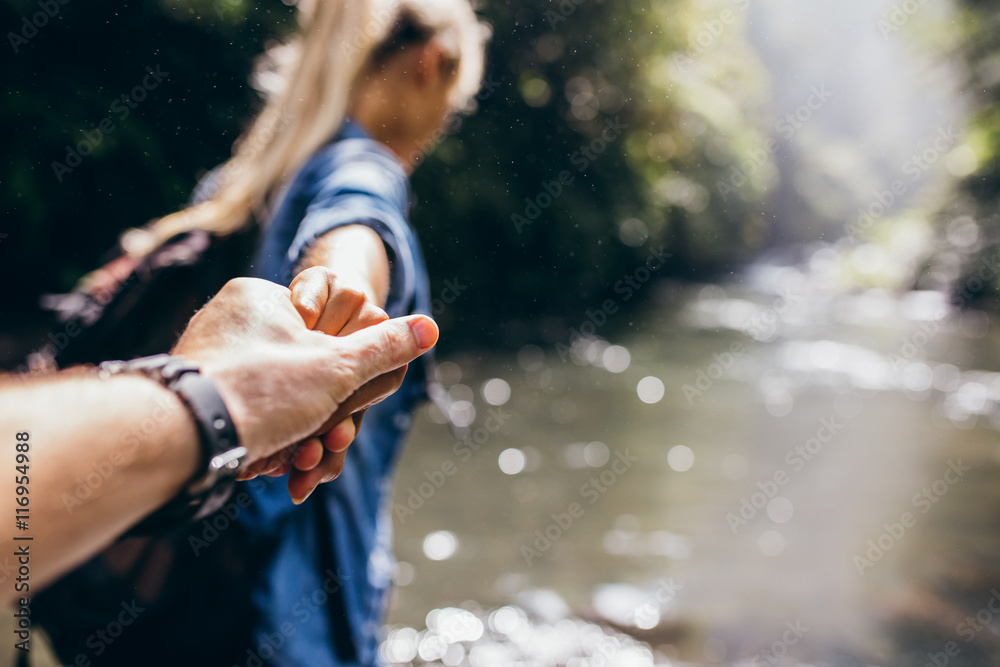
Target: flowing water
{"x":785,"y":471}
{"x":782,"y":473}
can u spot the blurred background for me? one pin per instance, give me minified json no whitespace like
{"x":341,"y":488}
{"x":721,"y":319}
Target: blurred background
{"x":731,"y":396}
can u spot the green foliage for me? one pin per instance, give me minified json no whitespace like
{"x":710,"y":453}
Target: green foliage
{"x":557,"y":79}
{"x":969,"y":224}
{"x":71,"y":75}
{"x":561,"y":79}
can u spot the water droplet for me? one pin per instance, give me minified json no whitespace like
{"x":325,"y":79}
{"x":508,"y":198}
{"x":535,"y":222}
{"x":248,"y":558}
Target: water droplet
{"x":680,"y":458}
{"x":496,"y":391}
{"x":440,"y":545}
{"x":511,"y":461}
{"x":780,"y":510}
{"x":596,"y":454}
{"x":650,"y":390}
{"x":616,"y":359}
{"x":771,"y":543}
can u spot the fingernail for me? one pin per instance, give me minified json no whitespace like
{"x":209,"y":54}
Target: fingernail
{"x":299,"y":501}
{"x":426,"y":332}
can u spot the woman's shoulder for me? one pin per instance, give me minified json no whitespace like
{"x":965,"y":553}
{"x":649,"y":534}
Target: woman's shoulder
{"x":359,"y":165}
{"x":357,"y":153}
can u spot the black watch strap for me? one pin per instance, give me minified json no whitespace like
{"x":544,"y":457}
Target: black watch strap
{"x":219,"y":441}
{"x":211,"y":487}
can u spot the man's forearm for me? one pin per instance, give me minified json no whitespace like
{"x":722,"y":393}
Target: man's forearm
{"x":93,"y":472}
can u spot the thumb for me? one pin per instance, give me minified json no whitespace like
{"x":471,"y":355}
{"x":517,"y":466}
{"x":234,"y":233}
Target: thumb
{"x":386,"y":346}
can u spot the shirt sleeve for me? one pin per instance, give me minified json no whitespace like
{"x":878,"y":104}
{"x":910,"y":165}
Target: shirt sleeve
{"x":364,"y":188}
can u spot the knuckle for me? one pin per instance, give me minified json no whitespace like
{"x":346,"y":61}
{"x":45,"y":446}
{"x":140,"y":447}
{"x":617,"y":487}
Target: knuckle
{"x":237,"y":283}
{"x":235,"y":286}
{"x":248,"y":288}
{"x":310,"y":307}
{"x":318,"y":271}
{"x":387,"y":340}
{"x":355,"y":298}
{"x":244,"y":284}
{"x":372,"y":314}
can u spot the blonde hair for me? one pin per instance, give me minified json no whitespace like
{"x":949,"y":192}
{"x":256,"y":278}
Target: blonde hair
{"x":307,"y":85}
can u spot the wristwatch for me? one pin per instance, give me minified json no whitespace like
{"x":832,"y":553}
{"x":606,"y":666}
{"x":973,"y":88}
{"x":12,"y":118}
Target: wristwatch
{"x":222,"y":454}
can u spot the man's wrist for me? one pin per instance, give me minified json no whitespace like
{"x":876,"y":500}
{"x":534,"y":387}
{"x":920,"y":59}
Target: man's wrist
{"x":221,"y":452}
{"x":163,"y":434}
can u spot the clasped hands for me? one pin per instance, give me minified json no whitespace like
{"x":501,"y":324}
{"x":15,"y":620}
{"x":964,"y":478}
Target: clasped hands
{"x":300,"y":380}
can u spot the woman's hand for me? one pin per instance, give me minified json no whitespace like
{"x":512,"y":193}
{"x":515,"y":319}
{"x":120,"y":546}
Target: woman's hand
{"x":335,"y":305}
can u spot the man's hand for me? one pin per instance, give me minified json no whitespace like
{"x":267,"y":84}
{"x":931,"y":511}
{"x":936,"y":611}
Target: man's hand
{"x":284,"y":383}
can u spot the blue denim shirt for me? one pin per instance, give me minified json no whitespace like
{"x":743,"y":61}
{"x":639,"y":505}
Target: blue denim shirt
{"x":326,"y":565}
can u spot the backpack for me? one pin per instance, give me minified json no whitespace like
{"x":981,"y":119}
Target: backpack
{"x":138,"y":306}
